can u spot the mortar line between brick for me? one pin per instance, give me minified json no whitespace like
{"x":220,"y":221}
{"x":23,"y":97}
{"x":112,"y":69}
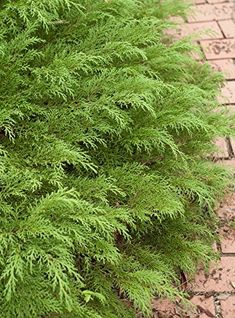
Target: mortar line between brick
{"x":216,"y":59}
{"x":229,"y":147}
{"x":213,"y":20}
{"x":216,"y":39}
{"x":210,"y":293}
{"x":231,"y":104}
{"x":230,"y":38}
{"x":204,"y":21}
{"x":217,"y":306}
{"x":217,"y":2}
{"x":221,"y":29}
{"x":227,"y":254}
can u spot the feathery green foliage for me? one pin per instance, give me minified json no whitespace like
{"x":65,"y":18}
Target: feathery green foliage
{"x":105,"y":127}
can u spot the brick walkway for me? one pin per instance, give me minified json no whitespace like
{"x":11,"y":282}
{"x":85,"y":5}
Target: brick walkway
{"x":218,"y":48}
{"x":213,"y":293}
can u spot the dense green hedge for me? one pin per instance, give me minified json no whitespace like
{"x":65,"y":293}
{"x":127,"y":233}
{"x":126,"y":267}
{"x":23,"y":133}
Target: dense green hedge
{"x":105,"y":127}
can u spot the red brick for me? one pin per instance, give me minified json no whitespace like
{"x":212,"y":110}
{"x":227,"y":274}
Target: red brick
{"x":200,"y":305}
{"x":228,"y":93}
{"x":209,"y":12}
{"x":226,"y":214}
{"x":199,"y":1}
{"x":218,"y":49}
{"x":229,"y":200}
{"x":219,"y":278}
{"x":222,"y":151}
{"x":229,"y":163}
{"x":227,"y":239}
{"x":205,"y":303}
{"x":228,"y":28}
{"x":216,"y":1}
{"x":227,"y":211}
{"x":164,"y":307}
{"x":203,"y":30}
{"x":232,"y":142}
{"x":228,"y":307}
{"x":226,"y":66}
{"x":176,"y":19}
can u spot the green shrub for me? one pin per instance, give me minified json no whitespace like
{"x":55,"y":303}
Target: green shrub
{"x":105,"y":127}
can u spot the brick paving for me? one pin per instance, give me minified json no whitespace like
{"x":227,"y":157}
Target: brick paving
{"x":226,"y":66}
{"x":218,"y":48}
{"x":212,"y":12}
{"x":213,"y":291}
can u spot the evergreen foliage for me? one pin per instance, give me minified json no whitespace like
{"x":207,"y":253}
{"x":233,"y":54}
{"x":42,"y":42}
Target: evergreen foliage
{"x":106,"y":125}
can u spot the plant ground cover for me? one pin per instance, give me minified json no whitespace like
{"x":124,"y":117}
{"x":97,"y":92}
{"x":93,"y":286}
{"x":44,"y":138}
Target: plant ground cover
{"x":106,"y":127}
